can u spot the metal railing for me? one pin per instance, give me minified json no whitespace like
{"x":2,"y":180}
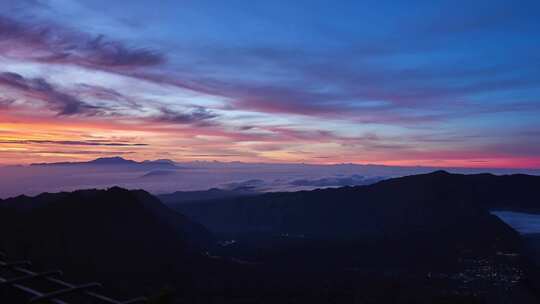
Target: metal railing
{"x":21,"y":282}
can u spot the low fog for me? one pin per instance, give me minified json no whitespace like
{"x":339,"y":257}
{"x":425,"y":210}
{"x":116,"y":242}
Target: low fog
{"x":158,"y":178}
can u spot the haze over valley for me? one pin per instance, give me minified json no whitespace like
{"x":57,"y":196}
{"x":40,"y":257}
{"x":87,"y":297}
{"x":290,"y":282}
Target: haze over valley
{"x":166,"y":176}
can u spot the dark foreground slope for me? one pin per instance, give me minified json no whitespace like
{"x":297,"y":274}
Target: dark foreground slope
{"x":111,"y":236}
{"x":385,"y":209}
{"x":433,"y":225}
{"x":182,"y":197}
{"x":417,"y":239}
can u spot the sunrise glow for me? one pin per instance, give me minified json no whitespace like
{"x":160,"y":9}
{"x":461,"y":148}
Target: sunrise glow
{"x":277,"y":87}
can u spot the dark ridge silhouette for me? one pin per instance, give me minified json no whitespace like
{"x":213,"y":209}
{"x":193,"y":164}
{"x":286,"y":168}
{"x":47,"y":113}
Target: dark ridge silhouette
{"x":116,"y":161}
{"x":112,"y":236}
{"x":402,"y":228}
{"x":181,"y":197}
{"x":418,"y":239}
{"x":111,"y":161}
{"x":98,"y":161}
{"x":390,"y":207}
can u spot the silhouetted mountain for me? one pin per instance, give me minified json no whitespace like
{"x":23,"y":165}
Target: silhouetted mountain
{"x":111,"y":161}
{"x":392,"y":207}
{"x":105,"y":235}
{"x":417,"y":239}
{"x":403,"y":229}
{"x":115,"y":161}
{"x":98,"y":161}
{"x":181,"y":197}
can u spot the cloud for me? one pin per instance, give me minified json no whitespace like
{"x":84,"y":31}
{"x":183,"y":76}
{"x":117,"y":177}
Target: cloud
{"x":212,"y":155}
{"x":199,"y":116}
{"x":101,"y":52}
{"x":262,"y":98}
{"x":6,"y":102}
{"x":255,"y":185}
{"x":380,"y":94}
{"x":40,"y":89}
{"x":100,"y":92}
{"x":93,"y":100}
{"x":55,"y":44}
{"x":359,"y":90}
{"x":74,"y":143}
{"x":51,"y":43}
{"x":114,"y":97}
{"x":353,"y":180}
{"x":75,"y":152}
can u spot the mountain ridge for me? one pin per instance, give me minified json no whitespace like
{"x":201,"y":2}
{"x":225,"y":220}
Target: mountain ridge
{"x":113,"y":161}
{"x":106,"y":235}
{"x":452,"y":193}
{"x":361,"y":240}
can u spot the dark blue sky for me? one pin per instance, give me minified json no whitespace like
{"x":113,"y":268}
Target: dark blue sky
{"x":394,"y":82}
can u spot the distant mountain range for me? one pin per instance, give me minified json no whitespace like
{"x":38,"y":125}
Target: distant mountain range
{"x":372,"y":169}
{"x":114,"y":161}
{"x":167,"y":176}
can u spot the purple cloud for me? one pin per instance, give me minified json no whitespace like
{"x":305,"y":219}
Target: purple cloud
{"x":74,"y":143}
{"x":40,"y":89}
{"x":364,"y":93}
{"x":6,"y":102}
{"x":200,"y":116}
{"x":54,"y":44}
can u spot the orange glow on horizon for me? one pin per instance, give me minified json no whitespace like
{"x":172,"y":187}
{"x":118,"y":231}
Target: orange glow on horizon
{"x":33,"y":139}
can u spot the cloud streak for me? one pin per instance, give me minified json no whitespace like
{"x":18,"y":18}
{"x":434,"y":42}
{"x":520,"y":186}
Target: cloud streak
{"x":229,"y":85}
{"x":39,"y":89}
{"x":73,"y":143}
{"x":50,"y":43}
{"x":199,"y":116}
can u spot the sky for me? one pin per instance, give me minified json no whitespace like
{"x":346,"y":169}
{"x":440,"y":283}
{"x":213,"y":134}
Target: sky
{"x":428,"y":83}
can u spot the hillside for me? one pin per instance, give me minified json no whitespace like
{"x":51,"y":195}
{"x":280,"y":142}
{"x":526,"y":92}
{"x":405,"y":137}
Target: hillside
{"x":390,"y":207}
{"x":402,"y":230}
{"x":417,"y":239}
{"x":182,"y":197}
{"x":103,"y":235}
